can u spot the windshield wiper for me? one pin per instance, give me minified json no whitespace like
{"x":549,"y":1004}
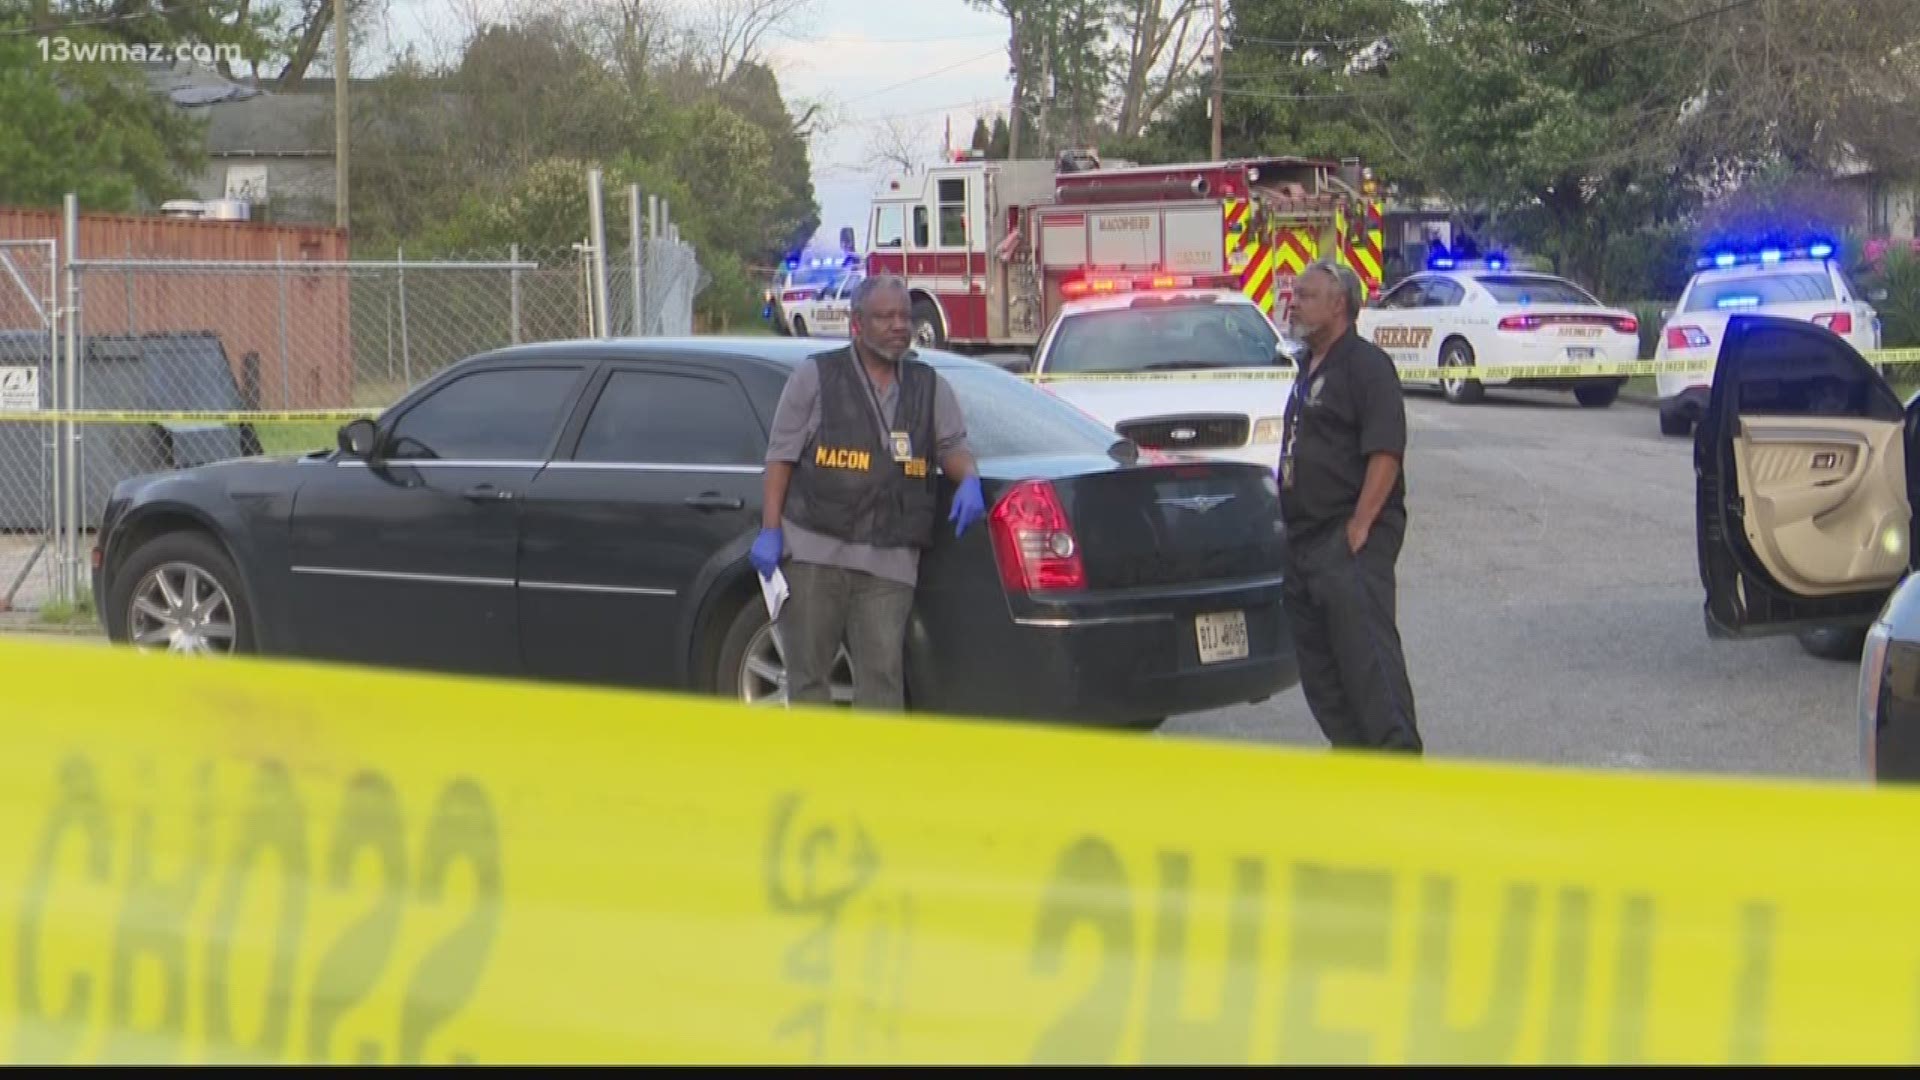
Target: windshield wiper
{"x":1183,"y":365}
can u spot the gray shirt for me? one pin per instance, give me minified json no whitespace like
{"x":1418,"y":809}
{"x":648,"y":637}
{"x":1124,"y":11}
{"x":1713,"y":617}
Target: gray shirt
{"x":795,"y":422}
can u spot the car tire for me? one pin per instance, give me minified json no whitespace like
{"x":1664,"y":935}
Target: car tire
{"x":799,"y":326}
{"x":1596,"y":395}
{"x":731,"y":676}
{"x":181,"y":557}
{"x":1675,"y":423}
{"x":926,"y":326}
{"x":1834,"y":642}
{"x":1457,"y":353}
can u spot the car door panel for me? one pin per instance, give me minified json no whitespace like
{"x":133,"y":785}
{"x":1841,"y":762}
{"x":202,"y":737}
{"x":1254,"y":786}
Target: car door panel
{"x":1802,"y":505}
{"x":665,"y":472}
{"x":1824,"y":495}
{"x":410,"y":558}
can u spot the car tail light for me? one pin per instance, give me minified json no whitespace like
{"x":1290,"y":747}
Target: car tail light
{"x":1520,"y":322}
{"x":1627,"y":324}
{"x":1840,"y":322}
{"x":797,"y":295}
{"x":1687,"y":337}
{"x":1033,"y":542}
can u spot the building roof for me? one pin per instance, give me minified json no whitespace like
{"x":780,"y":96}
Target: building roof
{"x":246,"y":119}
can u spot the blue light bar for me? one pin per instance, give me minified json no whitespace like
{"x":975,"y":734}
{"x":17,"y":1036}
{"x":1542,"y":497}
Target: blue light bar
{"x":1770,"y":256}
{"x":1737,"y":302}
{"x":1821,"y":250}
{"x":1441,"y":262}
{"x":1496,"y":262}
{"x":1725,"y":259}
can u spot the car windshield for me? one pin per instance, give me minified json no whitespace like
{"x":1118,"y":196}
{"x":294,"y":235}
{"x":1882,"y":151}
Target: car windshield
{"x":1519,"y":289}
{"x":1759,"y":290}
{"x":1163,"y":338}
{"x":1010,"y":417}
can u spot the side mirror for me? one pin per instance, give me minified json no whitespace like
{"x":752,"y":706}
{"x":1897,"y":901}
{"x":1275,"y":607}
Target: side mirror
{"x":357,"y":439}
{"x":1290,"y":353}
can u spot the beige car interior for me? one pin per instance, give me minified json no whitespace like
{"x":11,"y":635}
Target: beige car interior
{"x":1826,"y":500}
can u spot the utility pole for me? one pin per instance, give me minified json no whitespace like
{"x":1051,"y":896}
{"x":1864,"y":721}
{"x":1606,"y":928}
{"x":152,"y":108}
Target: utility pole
{"x":340,"y":113}
{"x":1219,"y":74}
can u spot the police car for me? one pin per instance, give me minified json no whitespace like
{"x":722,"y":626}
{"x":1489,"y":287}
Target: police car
{"x":1176,"y":363}
{"x":1798,"y":283}
{"x":813,"y":299}
{"x":1461,"y":313}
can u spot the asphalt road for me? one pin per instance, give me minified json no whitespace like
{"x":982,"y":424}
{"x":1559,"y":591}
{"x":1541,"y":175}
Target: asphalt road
{"x":1550,"y":605}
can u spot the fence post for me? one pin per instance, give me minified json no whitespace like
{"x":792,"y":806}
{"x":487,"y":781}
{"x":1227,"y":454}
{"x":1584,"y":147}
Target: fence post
{"x":286,"y":361}
{"x":406,"y":345}
{"x":597,"y":221}
{"x":513,"y":276}
{"x":633,"y":253}
{"x":66,"y":583}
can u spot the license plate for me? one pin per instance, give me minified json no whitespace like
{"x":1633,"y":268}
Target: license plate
{"x":1574,"y":353}
{"x":1222,"y":636}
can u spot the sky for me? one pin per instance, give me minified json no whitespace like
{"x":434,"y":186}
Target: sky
{"x":914,"y":63}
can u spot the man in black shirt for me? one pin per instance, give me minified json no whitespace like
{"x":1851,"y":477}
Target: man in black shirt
{"x":1343,"y":495}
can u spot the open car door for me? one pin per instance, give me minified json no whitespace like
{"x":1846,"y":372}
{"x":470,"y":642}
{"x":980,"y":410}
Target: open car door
{"x":1801,"y":493}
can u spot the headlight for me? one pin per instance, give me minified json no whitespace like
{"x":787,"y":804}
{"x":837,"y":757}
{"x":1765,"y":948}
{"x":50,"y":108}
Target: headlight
{"x":1267,"y":429}
{"x":1873,"y":676}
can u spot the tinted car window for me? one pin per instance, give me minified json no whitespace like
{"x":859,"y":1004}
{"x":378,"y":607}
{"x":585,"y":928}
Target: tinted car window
{"x":1517,"y":289}
{"x":1758,"y":289}
{"x":1147,"y":338}
{"x":506,"y":415}
{"x":660,"y":418}
{"x":1442,"y":294}
{"x":1788,"y":371}
{"x":1008,"y":416}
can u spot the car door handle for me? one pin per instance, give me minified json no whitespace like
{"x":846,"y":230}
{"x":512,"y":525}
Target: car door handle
{"x":488,"y":493}
{"x":713,"y":500}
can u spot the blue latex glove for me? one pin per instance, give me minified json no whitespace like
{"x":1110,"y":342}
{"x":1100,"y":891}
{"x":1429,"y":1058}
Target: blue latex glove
{"x":969,"y":505}
{"x":765,"y":555}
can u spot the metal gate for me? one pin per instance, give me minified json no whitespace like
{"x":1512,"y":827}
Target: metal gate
{"x":30,"y":521}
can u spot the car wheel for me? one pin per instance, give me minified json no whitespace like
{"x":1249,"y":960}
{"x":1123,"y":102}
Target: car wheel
{"x":180,"y":593}
{"x":1675,"y":423}
{"x":1834,"y":642}
{"x":752,"y":669}
{"x":1597,"y":395}
{"x":1458,"y":353}
{"x":799,"y":326}
{"x":926,"y":326}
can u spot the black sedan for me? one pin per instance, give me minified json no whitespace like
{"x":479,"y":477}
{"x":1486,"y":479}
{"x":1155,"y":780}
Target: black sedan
{"x":1805,"y":516}
{"x":581,"y":512}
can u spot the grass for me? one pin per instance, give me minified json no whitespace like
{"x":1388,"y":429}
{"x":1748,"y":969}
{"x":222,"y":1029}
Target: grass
{"x":63,"y":613}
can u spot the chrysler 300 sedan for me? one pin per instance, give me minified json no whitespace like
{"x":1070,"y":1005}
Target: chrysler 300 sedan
{"x":581,"y":512}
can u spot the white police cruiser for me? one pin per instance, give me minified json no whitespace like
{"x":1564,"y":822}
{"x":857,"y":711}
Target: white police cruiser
{"x":1176,"y":363}
{"x":814,"y":299}
{"x":1805,"y":283}
{"x":1463,"y":313}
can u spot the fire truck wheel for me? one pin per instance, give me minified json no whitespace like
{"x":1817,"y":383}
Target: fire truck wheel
{"x":926,"y":326}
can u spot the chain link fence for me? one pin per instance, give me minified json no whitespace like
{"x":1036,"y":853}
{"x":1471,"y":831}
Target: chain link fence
{"x":182,"y":336}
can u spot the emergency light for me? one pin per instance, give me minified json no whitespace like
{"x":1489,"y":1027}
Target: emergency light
{"x":1104,"y":285}
{"x":1772,"y":255}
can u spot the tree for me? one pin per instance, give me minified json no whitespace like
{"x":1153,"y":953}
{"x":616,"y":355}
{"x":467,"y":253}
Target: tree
{"x":1161,"y":41}
{"x":730,"y":33}
{"x":93,"y":128}
{"x":898,"y":144}
{"x":999,"y":147}
{"x":1062,"y":71}
{"x":982,"y":140}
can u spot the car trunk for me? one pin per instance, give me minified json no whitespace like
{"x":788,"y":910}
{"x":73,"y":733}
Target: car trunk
{"x":1167,"y":522}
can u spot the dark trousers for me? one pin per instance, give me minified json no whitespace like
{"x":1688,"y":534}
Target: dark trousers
{"x":828,"y":607}
{"x":1341,"y":608}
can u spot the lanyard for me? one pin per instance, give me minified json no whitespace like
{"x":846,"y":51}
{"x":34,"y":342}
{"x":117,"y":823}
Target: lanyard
{"x":873,"y":393}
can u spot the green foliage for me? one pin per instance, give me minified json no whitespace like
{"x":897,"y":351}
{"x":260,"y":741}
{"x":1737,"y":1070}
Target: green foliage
{"x":90,"y":127}
{"x":1899,"y":275}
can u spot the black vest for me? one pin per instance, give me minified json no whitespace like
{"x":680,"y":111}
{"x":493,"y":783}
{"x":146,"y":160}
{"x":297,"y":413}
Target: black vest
{"x":847,"y":483}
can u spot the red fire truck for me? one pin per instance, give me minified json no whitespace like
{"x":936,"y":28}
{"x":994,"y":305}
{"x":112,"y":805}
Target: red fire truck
{"x":991,"y":249}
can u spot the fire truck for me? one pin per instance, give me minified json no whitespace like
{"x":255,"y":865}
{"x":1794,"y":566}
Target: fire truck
{"x":991,"y":249}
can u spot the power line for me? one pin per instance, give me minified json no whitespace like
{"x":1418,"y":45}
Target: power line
{"x":923,"y":77}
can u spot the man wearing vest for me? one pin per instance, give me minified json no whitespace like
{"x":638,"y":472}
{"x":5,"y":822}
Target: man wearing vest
{"x":851,"y":498}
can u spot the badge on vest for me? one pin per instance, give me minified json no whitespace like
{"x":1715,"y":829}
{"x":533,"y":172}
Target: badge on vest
{"x":902,"y":447}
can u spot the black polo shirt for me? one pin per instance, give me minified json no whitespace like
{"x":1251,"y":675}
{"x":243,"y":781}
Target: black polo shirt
{"x":1348,"y":408}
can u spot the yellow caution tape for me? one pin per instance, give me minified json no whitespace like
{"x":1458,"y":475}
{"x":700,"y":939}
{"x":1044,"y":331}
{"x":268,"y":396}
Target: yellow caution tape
{"x":1478,"y":372}
{"x":223,"y":860}
{"x":164,"y":416}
